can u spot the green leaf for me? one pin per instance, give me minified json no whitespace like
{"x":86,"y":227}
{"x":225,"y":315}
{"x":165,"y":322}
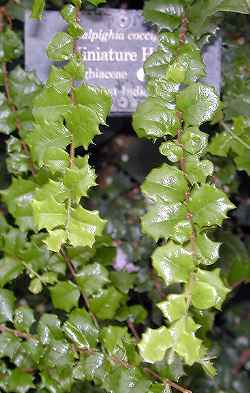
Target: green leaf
{"x":194,"y":141}
{"x":220,"y":144}
{"x":49,"y":329}
{"x":56,"y":159}
{"x":156,"y":66}
{"x":154,"y":344}
{"x":61,"y":47}
{"x":59,"y":80}
{"x":173,"y":263}
{"x":184,"y":341}
{"x":81,"y":319}
{"x":49,"y":213}
{"x":96,"y":2}
{"x":209,"y":206}
{"x":50,"y":105}
{"x":154,"y":120}
{"x":80,"y":178}
{"x":174,"y":307}
{"x":45,"y":139}
{"x":55,"y":239}
{"x":105,"y":303}
{"x":172,"y":151}
{"x":162,"y":221}
{"x":84,"y":227}
{"x":207,"y":250}
{"x":165,"y":14}
{"x":24,"y":318}
{"x":18,"y":198}
{"x":65,"y":295}
{"x":208,"y":289}
{"x":19,"y":381}
{"x":69,"y":13}
{"x":24,"y":86}
{"x":162,"y":88}
{"x":198,"y":103}
{"x":198,"y":170}
{"x":99,"y":100}
{"x":10,"y":268}
{"x":165,"y":184}
{"x":36,"y":286}
{"x":37,"y":9}
{"x":92,"y":278}
{"x":75,"y":67}
{"x":7,"y":302}
{"x":11,"y":46}
{"x":74,"y":334}
{"x":123,"y":280}
{"x":83,"y":123}
{"x":7,"y":120}
{"x":129,"y":381}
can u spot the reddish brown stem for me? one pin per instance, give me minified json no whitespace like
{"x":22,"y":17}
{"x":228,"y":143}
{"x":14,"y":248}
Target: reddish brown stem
{"x":166,"y":381}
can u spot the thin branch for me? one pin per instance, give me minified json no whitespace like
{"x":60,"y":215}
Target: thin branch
{"x":133,"y":330}
{"x":166,"y":381}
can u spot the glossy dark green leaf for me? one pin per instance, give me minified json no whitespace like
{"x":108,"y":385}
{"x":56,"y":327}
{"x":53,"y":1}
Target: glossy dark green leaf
{"x":105,"y":303}
{"x":7,"y":303}
{"x":92,"y":278}
{"x":83,"y":322}
{"x":19,"y":381}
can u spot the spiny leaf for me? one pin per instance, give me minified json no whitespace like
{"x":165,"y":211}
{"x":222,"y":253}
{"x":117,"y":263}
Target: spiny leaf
{"x":154,"y":344}
{"x":49,"y":213}
{"x":173,"y":263}
{"x":50,"y":105}
{"x":209,"y":206}
{"x":174,"y":307}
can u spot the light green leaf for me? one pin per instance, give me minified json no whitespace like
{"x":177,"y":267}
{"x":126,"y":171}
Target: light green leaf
{"x":65,"y":295}
{"x":35,"y":286}
{"x":59,"y":80}
{"x":172,"y":151}
{"x":69,"y":13}
{"x":55,"y":239}
{"x":173,"y":263}
{"x":84,"y":227}
{"x":166,"y":184}
{"x":23,"y":86}
{"x":184,"y":341}
{"x":80,"y":178}
{"x":209,"y":206}
{"x":154,"y":344}
{"x":19,"y":381}
{"x":61,"y":47}
{"x":198,"y":103}
{"x":163,"y":89}
{"x":162,"y":220}
{"x":194,"y":141}
{"x":105,"y":303}
{"x":92,"y":278}
{"x":198,"y":170}
{"x":97,"y":2}
{"x":220,"y":144}
{"x":75,"y":67}
{"x":50,"y":105}
{"x":207,"y":250}
{"x":45,"y":138}
{"x":37,"y":9}
{"x":208,"y":289}
{"x":99,"y":100}
{"x":153,"y":119}
{"x":83,"y":123}
{"x":174,"y":307}
{"x":7,"y":302}
{"x":56,"y":159}
{"x":49,"y":213}
{"x":11,"y":46}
